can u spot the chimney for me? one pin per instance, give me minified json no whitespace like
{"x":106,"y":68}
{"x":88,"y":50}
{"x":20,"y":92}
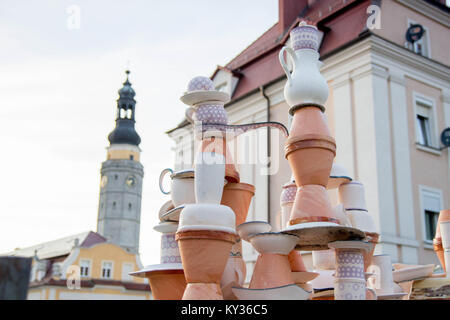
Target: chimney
{"x":288,"y":11}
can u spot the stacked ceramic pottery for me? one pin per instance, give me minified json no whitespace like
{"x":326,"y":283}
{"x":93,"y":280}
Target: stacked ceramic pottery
{"x":444,"y":216}
{"x":287,"y":198}
{"x":350,"y":281}
{"x":166,"y":279}
{"x":272,"y":277}
{"x":352,"y":198}
{"x":310,"y":148}
{"x":238,"y":197}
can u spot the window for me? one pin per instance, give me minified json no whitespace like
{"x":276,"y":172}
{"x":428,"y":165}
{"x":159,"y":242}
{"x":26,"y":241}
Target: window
{"x":85,"y":268}
{"x":431,"y":203}
{"x":107,"y":269}
{"x":426,"y":134}
{"x":131,"y":157}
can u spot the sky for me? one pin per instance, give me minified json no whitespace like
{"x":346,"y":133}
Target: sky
{"x":59,"y":77}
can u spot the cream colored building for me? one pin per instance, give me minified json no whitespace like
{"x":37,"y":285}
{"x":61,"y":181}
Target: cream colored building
{"x":387,"y":106}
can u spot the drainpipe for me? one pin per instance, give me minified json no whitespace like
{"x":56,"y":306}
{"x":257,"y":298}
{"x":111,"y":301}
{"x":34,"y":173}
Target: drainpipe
{"x":261,"y":90}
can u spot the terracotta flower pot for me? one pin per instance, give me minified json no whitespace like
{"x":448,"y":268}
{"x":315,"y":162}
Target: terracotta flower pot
{"x":271,"y":270}
{"x":204,"y":254}
{"x":219,"y":145}
{"x":309,"y":120}
{"x":439,"y":250}
{"x":312,"y":205}
{"x":296,"y":261}
{"x":167,"y":284}
{"x":238,"y":197}
{"x":310,"y":157}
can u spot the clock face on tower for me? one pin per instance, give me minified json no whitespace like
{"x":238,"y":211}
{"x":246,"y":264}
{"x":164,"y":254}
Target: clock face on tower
{"x":131,"y":181}
{"x":104,"y":181}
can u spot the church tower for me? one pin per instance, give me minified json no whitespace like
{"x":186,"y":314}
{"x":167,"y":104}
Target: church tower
{"x":119,"y":211}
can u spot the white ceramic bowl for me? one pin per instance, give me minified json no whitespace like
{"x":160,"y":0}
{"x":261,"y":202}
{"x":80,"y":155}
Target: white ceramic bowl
{"x":204,"y":216}
{"x":166,"y":227}
{"x":273,"y":242}
{"x":247,"y":228}
{"x":361,"y":219}
{"x":352,"y":195}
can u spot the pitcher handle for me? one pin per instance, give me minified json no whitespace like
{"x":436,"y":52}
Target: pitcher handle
{"x":161,"y":177}
{"x":284,"y":63}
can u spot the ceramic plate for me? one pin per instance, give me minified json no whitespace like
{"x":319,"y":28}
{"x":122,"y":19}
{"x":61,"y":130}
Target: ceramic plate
{"x":196,"y":97}
{"x":317,"y":235}
{"x":172,"y":215}
{"x":165,"y":208}
{"x":414,"y":273}
{"x":157,"y":267}
{"x":304,"y":277}
{"x":247,"y":228}
{"x":392,"y":296}
{"x":288,"y":292}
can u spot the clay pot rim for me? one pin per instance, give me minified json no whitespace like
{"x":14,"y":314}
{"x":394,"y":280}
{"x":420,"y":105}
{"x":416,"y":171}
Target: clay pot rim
{"x":294,"y":109}
{"x":205,"y":234}
{"x":310,"y":136}
{"x":240,"y":186}
{"x":300,"y":144}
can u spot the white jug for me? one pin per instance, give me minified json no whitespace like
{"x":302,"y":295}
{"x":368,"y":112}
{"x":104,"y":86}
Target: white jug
{"x":305,"y":85}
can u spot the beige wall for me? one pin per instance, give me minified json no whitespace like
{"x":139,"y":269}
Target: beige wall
{"x":394,"y":22}
{"x":428,"y":169}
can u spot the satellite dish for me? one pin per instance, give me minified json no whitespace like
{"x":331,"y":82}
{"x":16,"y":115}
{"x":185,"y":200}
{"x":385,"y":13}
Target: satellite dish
{"x":414,"y":33}
{"x":445,"y":137}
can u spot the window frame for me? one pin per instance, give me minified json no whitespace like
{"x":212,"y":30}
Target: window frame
{"x":433,"y":191}
{"x":112,"y":269}
{"x":89,"y":268}
{"x":420,"y":100}
{"x":128,"y":277}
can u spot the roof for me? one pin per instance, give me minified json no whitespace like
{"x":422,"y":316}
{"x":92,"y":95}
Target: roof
{"x":342,"y":21}
{"x":59,"y":247}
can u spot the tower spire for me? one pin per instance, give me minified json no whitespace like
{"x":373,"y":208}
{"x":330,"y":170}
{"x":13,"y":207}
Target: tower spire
{"x":124,"y":132}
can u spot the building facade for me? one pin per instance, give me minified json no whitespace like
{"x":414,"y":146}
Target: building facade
{"x":388,"y":102}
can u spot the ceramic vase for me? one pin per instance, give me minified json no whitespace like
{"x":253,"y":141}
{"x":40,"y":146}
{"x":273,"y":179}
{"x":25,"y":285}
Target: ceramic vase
{"x":167,"y":284}
{"x":296,"y":261}
{"x":350,"y":282}
{"x":305,"y":85}
{"x":182,"y":186}
{"x":272,"y":268}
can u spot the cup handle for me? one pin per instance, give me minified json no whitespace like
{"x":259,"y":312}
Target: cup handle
{"x":161,"y":177}
{"x":189,"y":113}
{"x":284,"y":63}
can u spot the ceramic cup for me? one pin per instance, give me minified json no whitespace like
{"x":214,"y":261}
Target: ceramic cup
{"x":349,"y":289}
{"x":169,"y":247}
{"x":445,"y":234}
{"x":287,"y":198}
{"x":209,"y":177}
{"x":382,"y":281}
{"x":352,"y":196}
{"x":350,"y":264}
{"x":182,"y":186}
